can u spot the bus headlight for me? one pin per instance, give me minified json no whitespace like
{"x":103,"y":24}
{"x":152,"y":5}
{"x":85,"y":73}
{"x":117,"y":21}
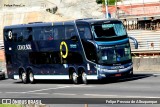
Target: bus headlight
{"x":102,"y":75}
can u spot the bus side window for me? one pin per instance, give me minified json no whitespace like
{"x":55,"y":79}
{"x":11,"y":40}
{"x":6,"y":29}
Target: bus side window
{"x":55,"y":34}
{"x":26,"y":35}
{"x":38,"y":34}
{"x":14,"y":37}
{"x":69,"y":31}
{"x":18,"y":35}
{"x":58,"y":33}
{"x":29,"y":38}
{"x":84,"y":31}
{"x":48,"y":33}
{"x":41,"y":35}
{"x":87,"y":33}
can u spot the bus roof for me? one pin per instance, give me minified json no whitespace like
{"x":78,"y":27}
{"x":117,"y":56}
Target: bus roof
{"x":39,"y":24}
{"x":89,"y":20}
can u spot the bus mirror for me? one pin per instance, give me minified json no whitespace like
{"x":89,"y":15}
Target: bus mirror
{"x":135,"y":42}
{"x":74,"y":38}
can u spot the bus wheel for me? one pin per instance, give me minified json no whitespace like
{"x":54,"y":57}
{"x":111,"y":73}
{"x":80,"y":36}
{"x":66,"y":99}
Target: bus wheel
{"x":84,"y":78}
{"x":74,"y":78}
{"x":24,"y":77}
{"x":31,"y":77}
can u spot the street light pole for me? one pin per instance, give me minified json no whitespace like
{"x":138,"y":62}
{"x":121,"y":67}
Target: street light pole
{"x":117,"y":16}
{"x":106,"y":4}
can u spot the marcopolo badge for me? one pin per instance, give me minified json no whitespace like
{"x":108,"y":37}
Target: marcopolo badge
{"x":10,"y":34}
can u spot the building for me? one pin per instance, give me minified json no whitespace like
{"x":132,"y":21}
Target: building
{"x":137,"y":14}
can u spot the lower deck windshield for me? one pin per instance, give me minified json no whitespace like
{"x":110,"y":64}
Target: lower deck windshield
{"x":114,"y":54}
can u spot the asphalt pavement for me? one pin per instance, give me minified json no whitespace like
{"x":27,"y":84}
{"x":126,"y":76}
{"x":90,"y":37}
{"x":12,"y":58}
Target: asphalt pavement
{"x":140,"y":86}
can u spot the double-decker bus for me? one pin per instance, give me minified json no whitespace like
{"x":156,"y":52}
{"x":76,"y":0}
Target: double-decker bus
{"x":79,"y":50}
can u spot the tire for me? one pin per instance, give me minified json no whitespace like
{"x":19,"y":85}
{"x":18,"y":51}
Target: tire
{"x":84,"y":78}
{"x":131,"y":75}
{"x":74,"y":78}
{"x":24,"y":77}
{"x":31,"y":77}
{"x":3,"y":77}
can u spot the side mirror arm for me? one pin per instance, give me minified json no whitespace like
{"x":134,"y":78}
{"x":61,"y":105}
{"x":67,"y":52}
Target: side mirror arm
{"x":135,"y":41}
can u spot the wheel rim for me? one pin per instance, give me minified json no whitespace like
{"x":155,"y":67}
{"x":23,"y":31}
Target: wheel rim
{"x":24,"y":77}
{"x":74,"y":77}
{"x":84,"y":77}
{"x":31,"y":77}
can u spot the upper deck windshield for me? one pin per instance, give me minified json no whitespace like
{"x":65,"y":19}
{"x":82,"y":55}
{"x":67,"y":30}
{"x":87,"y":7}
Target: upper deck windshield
{"x":108,"y":29}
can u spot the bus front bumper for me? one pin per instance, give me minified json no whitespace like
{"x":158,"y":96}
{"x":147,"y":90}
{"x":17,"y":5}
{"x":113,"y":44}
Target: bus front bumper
{"x":104,"y":73}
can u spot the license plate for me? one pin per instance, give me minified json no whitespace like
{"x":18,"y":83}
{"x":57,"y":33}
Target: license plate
{"x":118,"y":75}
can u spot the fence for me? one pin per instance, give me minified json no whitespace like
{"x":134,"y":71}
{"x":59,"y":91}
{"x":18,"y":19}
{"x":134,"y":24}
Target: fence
{"x":1,"y":45}
{"x":149,"y":42}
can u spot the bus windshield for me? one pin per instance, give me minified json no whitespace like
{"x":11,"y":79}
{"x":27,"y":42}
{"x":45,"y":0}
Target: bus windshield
{"x":105,"y":30}
{"x":114,"y":54}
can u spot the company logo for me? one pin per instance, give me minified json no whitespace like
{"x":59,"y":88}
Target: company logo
{"x":73,"y":46}
{"x":24,"y":47}
{"x":10,"y":34}
{"x":118,"y":67}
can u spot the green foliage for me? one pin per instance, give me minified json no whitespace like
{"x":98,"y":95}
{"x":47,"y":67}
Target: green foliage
{"x":99,"y":1}
{"x":109,"y":2}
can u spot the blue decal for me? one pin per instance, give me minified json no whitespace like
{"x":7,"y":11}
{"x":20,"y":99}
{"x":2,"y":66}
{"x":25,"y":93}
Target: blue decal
{"x":113,"y":42}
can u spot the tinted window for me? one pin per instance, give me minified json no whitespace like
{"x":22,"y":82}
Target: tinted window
{"x":84,"y":31}
{"x":104,"y":30}
{"x":69,"y":31}
{"x":44,"y":57}
{"x":74,"y":58}
{"x":18,"y":35}
{"x":48,"y":32}
{"x":54,"y":58}
{"x":27,"y":33}
{"x":58,"y":33}
{"x":38,"y":34}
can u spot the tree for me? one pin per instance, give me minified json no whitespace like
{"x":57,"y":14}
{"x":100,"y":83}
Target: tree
{"x":110,"y":2}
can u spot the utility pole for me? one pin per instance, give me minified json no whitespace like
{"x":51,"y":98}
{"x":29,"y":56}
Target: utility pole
{"x":116,"y":9}
{"x":106,"y":4}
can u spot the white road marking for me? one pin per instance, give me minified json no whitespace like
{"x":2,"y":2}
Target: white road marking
{"x":59,"y":87}
{"x":83,"y":85}
{"x":64,"y":94}
{"x":48,"y":89}
{"x":100,"y":95}
{"x":133,"y":87}
{"x":79,"y":85}
{"x":41,"y":90}
{"x":38,"y":93}
{"x":119,"y":96}
{"x":16,"y":92}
